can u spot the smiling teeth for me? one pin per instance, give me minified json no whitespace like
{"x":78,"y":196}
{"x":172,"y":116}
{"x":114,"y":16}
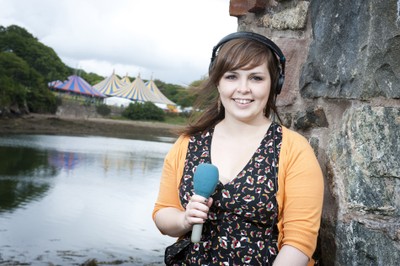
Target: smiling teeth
{"x":242,"y":101}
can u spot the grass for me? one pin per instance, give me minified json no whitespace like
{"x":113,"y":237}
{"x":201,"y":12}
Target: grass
{"x":172,"y":119}
{"x":176,"y":119}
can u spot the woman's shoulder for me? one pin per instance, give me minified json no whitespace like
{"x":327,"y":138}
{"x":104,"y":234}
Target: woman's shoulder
{"x":182,"y":140}
{"x":292,"y":136}
{"x":294,"y":143}
{"x":180,"y":146}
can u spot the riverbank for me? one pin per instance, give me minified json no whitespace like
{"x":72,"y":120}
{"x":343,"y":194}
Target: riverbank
{"x":53,"y":124}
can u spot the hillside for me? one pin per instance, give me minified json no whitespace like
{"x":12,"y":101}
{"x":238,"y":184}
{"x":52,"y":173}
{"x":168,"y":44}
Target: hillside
{"x":27,"y":66}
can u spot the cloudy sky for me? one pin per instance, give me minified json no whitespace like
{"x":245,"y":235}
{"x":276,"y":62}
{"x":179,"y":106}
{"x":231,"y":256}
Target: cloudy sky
{"x":170,"y":40}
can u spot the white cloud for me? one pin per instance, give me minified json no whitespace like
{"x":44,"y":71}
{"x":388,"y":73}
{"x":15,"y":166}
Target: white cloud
{"x":171,"y":40}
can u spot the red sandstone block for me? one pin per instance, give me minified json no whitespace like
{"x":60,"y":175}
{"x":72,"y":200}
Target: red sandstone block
{"x":242,"y":7}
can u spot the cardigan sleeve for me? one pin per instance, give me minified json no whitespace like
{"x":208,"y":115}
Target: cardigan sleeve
{"x":168,"y":195}
{"x":300,"y":194}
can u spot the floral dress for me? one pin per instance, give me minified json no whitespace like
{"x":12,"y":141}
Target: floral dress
{"x":241,"y":225}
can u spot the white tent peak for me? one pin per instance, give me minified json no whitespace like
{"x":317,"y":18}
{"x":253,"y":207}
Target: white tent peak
{"x":110,"y":85}
{"x":136,"y":91}
{"x":161,"y":98}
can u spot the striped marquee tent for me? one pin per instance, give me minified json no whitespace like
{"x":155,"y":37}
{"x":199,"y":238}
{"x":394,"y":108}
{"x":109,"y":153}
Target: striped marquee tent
{"x":78,"y":85}
{"x":136,"y":91}
{"x":55,"y":83}
{"x":161,"y":98}
{"x":126,"y":79}
{"x":109,"y":85}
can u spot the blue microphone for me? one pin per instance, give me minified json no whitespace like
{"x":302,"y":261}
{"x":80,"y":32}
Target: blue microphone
{"x":205,"y":181}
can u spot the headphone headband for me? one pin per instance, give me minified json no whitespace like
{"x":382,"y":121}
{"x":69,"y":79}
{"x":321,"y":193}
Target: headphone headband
{"x":259,"y":38}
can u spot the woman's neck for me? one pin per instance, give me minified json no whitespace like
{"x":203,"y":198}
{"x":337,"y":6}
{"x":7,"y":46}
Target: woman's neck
{"x":239,"y":128}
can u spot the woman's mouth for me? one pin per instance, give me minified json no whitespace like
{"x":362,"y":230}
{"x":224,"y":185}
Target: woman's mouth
{"x":243,"y":101}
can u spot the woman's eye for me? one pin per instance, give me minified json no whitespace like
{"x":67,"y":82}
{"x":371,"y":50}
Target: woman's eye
{"x":230,"y":77}
{"x":257,"y":78}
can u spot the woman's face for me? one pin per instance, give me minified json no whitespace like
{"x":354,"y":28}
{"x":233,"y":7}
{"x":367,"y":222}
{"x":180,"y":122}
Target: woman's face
{"x":244,"y":93}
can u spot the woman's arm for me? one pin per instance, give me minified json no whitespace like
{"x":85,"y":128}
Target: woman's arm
{"x":167,"y":206}
{"x":174,"y":222}
{"x":170,"y":221}
{"x":300,"y":194}
{"x":289,"y":255}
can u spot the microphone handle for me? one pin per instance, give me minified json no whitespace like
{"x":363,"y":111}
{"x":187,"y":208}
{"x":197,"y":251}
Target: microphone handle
{"x":196,"y":233}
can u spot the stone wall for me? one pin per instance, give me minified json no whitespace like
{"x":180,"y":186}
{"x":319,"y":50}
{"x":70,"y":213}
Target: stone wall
{"x":80,"y":109}
{"x":342,"y":91}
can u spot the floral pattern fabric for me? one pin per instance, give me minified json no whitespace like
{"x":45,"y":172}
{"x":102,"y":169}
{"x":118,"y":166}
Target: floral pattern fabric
{"x":241,"y":225}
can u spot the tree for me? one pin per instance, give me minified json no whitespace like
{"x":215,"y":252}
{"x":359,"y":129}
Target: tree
{"x":22,"y":86}
{"x":39,"y":56}
{"x":26,"y":65}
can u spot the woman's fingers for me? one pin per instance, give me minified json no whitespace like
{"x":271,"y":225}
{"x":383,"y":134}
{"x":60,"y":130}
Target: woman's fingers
{"x":197,"y":209}
{"x":198,"y":198}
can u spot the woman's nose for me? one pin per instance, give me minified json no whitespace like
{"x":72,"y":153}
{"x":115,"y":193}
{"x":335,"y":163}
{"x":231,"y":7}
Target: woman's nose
{"x":243,"y":86}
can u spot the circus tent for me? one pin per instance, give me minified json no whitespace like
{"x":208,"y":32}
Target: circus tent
{"x":55,"y":83}
{"x":137,"y":91}
{"x":78,"y":85}
{"x":126,"y":79}
{"x":159,"y":95}
{"x":109,"y":85}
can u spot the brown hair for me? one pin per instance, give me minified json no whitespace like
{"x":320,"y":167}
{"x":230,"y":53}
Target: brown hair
{"x":236,"y":54}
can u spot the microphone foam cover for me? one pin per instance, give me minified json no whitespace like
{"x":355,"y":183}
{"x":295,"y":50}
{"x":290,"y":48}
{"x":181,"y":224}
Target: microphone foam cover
{"x":205,"y":179}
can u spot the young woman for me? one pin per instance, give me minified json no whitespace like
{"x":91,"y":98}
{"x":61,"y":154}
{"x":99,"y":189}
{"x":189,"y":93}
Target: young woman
{"x":267,"y":206}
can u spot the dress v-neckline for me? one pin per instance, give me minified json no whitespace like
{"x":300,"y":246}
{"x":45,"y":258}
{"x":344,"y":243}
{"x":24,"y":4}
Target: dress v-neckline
{"x":246,"y":166}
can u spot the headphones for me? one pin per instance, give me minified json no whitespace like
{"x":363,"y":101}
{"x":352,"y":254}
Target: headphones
{"x":259,"y":38}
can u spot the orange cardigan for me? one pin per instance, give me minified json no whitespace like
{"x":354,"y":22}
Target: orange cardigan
{"x":299,"y":196}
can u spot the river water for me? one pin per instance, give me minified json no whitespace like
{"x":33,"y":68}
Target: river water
{"x":66,"y":200}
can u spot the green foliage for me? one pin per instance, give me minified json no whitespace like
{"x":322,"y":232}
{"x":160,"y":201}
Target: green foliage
{"x":12,"y":68}
{"x":26,"y":66}
{"x":143,"y":111}
{"x":103,"y":109}
{"x":23,"y":86}
{"x":176,"y":118}
{"x":176,"y":93}
{"x":91,"y":78}
{"x":40,"y":57}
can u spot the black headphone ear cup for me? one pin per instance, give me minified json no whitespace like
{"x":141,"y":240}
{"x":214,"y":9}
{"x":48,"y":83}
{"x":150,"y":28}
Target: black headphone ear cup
{"x":279,"y":85}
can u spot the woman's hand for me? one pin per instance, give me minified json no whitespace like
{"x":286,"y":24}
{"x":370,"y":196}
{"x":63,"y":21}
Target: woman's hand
{"x":174,"y":222}
{"x":196,"y":211}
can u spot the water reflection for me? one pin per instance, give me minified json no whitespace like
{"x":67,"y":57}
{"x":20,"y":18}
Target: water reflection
{"x":18,"y":161}
{"x":64,"y":160}
{"x":68,"y":199}
{"x":20,"y":170}
{"x":15,"y":194}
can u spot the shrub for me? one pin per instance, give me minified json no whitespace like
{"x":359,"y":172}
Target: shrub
{"x":144,"y":111}
{"x":103,"y":109}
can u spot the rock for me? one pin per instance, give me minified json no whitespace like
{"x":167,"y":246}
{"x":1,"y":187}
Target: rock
{"x":288,"y":19}
{"x":355,"y":50}
{"x":240,"y":7}
{"x":364,"y":154}
{"x":342,"y":91}
{"x":311,"y":118}
{"x":90,"y":262}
